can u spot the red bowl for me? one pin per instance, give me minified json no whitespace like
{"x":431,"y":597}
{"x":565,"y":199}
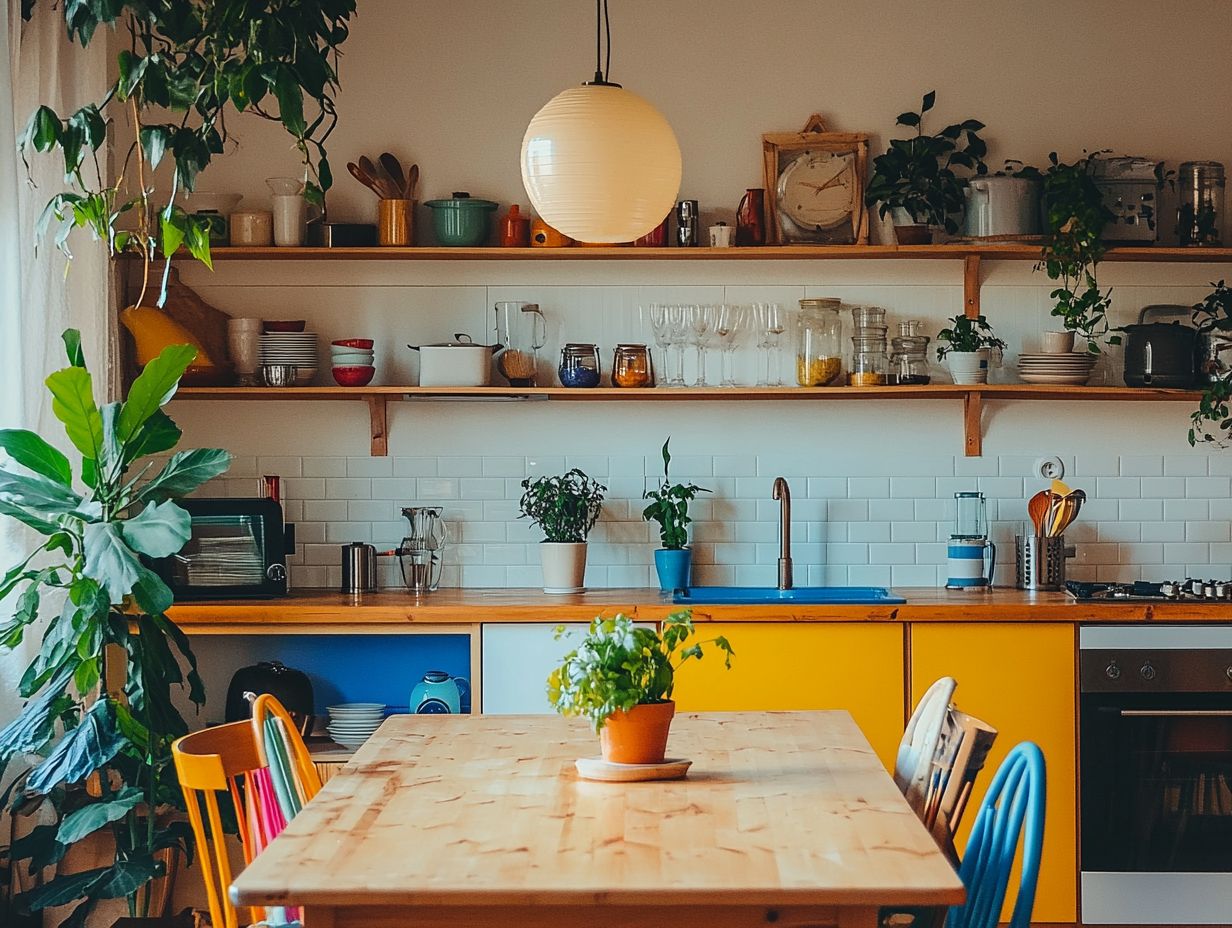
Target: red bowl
{"x":284,"y":325}
{"x":354,"y":376}
{"x":364,"y":343}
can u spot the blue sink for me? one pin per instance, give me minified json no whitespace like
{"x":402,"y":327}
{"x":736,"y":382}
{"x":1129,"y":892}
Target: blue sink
{"x":812,"y":595}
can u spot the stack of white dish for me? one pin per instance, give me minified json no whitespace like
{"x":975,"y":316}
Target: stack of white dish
{"x":297,"y":349}
{"x":1071,"y":367}
{"x":353,"y":723}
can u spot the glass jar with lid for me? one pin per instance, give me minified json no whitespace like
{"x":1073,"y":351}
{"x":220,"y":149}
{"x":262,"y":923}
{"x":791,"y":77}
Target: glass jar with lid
{"x":632,"y":367}
{"x":819,"y":352}
{"x":1199,"y":217}
{"x":909,"y":355}
{"x":579,"y":365}
{"x":869,"y":365}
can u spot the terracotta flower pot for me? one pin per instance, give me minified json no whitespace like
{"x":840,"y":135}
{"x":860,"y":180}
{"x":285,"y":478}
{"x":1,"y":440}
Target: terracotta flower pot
{"x":638,"y":736}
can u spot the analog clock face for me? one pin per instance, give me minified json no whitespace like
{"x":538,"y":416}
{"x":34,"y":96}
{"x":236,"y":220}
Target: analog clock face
{"x":816,"y":190}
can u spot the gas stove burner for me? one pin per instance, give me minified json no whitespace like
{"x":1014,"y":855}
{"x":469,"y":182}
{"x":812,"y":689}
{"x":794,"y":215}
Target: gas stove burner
{"x":1188,"y":590}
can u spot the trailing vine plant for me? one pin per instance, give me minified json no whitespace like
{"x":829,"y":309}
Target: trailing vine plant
{"x":194,"y":63}
{"x":1211,"y":422}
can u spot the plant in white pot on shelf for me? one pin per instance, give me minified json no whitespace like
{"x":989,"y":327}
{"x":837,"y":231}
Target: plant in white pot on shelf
{"x":566,"y":507}
{"x":669,"y":506}
{"x":621,"y":678}
{"x":967,"y":345}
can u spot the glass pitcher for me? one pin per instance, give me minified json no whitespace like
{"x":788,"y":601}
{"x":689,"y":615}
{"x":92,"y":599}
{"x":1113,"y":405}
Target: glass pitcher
{"x":422,"y":551}
{"x":523,"y":330}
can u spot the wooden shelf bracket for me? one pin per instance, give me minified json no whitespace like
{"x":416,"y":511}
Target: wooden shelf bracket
{"x":971,"y":286}
{"x":378,"y":413}
{"x":973,"y":414}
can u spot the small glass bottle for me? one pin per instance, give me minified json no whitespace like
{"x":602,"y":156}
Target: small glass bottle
{"x":632,"y":366}
{"x":819,"y":353}
{"x":1200,"y":211}
{"x":579,"y":365}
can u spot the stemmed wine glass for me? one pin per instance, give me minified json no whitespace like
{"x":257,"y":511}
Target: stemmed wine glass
{"x":662,"y":337}
{"x":732,"y":321}
{"x":701,"y":325}
{"x":678,"y":323}
{"x":771,"y":324}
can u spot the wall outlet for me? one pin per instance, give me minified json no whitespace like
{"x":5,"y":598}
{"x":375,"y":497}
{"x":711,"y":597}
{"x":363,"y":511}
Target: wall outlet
{"x":1051,"y":468}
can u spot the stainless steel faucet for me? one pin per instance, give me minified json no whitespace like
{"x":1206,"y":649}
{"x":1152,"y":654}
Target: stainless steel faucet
{"x":782,"y":493}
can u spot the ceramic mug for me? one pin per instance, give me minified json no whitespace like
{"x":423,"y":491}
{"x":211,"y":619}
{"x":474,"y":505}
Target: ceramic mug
{"x":253,"y":228}
{"x":971,"y":563}
{"x":721,"y":235}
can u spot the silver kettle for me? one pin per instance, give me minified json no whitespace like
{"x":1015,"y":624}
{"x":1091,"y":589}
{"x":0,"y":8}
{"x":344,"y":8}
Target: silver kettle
{"x":358,"y":568}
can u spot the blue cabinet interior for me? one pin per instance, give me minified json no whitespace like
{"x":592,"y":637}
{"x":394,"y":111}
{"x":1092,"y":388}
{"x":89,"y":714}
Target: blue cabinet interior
{"x":343,"y":668}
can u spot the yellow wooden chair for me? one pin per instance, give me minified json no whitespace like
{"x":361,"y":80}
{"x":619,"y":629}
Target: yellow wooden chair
{"x":210,"y":762}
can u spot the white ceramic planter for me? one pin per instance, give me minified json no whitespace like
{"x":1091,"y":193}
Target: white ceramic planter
{"x":1057,"y":342}
{"x":564,"y":566}
{"x":968,"y":367}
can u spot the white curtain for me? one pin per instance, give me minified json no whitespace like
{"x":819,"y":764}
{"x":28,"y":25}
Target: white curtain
{"x":38,"y":299}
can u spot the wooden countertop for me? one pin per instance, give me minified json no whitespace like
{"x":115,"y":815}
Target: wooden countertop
{"x":448,"y":813}
{"x":470,"y":606}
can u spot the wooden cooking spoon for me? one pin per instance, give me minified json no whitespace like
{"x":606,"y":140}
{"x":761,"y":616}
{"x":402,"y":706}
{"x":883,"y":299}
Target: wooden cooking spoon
{"x":383,"y":187}
{"x":394,"y":169}
{"x":412,"y":181}
{"x":363,"y":177}
{"x":1037,"y":509}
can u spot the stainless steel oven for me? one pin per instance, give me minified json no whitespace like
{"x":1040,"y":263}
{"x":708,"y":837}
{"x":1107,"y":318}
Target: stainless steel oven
{"x":1155,"y":774}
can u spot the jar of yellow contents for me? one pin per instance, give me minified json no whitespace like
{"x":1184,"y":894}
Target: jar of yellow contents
{"x":818,"y":342}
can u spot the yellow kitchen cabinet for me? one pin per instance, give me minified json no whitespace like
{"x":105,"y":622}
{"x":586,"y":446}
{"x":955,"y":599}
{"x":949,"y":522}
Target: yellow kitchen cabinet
{"x":1019,"y":678}
{"x":787,"y":665}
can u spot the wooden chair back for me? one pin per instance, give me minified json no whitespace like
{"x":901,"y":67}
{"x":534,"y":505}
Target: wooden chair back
{"x":1011,"y":816}
{"x":961,"y":754}
{"x":210,"y":762}
{"x":913,"y":768}
{"x":307,"y":779}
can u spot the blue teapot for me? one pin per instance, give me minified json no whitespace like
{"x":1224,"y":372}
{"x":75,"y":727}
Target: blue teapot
{"x":439,"y":694}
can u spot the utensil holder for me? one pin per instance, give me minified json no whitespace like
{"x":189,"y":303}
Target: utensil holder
{"x":395,"y":222}
{"x":1039,"y":561}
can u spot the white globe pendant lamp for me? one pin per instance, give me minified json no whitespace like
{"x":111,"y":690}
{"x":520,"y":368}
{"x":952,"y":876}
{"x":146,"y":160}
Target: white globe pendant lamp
{"x":599,"y":163}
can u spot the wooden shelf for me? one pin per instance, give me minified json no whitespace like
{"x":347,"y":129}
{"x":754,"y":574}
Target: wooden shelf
{"x":992,"y":252}
{"x":972,"y":397}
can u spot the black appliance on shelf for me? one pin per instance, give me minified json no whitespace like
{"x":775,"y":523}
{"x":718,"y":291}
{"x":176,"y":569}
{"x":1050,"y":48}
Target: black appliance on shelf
{"x":237,"y":550}
{"x":289,"y":686}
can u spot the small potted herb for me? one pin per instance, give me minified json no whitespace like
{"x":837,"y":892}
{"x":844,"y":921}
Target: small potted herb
{"x":669,"y":506}
{"x":566,"y":508}
{"x":966,"y":345}
{"x":918,"y":180}
{"x":621,"y":678}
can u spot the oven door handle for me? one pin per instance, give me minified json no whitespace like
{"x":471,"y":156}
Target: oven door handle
{"x":1175,"y":713}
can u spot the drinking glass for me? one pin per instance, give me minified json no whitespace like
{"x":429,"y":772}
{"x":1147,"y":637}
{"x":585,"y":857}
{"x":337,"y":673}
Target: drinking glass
{"x":729,"y":327}
{"x":678,"y":324}
{"x":701,"y":326}
{"x":657,"y":313}
{"x":771,"y":324}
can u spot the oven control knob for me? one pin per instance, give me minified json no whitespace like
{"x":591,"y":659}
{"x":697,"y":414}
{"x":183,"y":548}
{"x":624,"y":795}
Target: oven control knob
{"x":1228,"y":672}
{"x":1147,"y":672}
{"x":276,"y":572}
{"x":1113,"y":672}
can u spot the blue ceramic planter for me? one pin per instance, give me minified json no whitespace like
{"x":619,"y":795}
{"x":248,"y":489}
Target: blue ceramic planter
{"x":674,"y":566}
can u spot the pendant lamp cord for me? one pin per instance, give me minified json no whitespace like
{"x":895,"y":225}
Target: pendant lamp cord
{"x":603,"y":25}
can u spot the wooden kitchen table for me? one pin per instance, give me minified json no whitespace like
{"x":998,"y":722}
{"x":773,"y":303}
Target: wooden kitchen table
{"x":785,"y":818}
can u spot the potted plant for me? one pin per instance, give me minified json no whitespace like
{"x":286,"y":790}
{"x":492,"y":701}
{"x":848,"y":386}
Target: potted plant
{"x":966,"y":345}
{"x":918,"y":180}
{"x":669,"y":506}
{"x":1076,"y":216}
{"x":101,"y":756}
{"x":566,"y":508}
{"x":621,"y":678}
{"x":1211,"y":422}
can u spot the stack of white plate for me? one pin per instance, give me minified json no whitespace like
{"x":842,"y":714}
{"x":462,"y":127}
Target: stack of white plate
{"x":298,"y":349}
{"x":352,"y":723}
{"x":1073,"y":367}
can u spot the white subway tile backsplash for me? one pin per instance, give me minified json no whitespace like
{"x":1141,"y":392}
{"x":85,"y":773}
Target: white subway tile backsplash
{"x":1147,"y":515}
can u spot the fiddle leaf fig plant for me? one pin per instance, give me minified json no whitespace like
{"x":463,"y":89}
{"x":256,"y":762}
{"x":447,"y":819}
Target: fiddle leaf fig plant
{"x":620,"y":665}
{"x":1211,"y":422}
{"x":566,"y":507}
{"x":183,"y":69}
{"x":669,"y":506}
{"x":966,"y":334}
{"x":1076,"y":219}
{"x":925,"y":175}
{"x":101,"y":756}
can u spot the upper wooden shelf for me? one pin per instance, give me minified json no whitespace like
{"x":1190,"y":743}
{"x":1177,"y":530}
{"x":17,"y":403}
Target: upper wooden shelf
{"x":1014,"y":252}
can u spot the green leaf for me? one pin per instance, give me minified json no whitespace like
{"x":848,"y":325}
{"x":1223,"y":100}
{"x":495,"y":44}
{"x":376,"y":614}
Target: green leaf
{"x":929,"y":99}
{"x":198,"y":241}
{"x":131,"y":70}
{"x":152,"y":595}
{"x":157,"y":434}
{"x":85,"y":749}
{"x":38,"y":494}
{"x":40,"y":847}
{"x":153,"y":388}
{"x":62,"y":890}
{"x":72,"y":391}
{"x":72,"y":347}
{"x":109,"y":560}
{"x":43,"y":130}
{"x":32,"y":451}
{"x":29,"y":732}
{"x":128,"y":876}
{"x":908,"y":119}
{"x":186,"y":471}
{"x":159,"y":530}
{"x":174,"y":226}
{"x":154,"y":142}
{"x":290,"y":101}
{"x":89,"y":819}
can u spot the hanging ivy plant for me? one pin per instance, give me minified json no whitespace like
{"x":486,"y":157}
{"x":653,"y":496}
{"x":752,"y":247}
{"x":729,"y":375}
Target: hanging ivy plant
{"x":196,"y":62}
{"x":1211,"y":422}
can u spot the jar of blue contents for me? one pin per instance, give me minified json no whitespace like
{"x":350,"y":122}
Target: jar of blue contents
{"x":579,"y":365}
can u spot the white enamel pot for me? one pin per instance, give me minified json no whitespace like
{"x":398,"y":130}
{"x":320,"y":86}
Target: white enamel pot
{"x":1000,"y":205}
{"x":460,"y":363}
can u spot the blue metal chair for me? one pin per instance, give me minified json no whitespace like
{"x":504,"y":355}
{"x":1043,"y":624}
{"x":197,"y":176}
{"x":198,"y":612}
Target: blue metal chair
{"x":1012,"y":813}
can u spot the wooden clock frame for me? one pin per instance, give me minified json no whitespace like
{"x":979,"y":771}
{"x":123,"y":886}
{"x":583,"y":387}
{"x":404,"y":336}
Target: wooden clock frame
{"x":814,"y":137}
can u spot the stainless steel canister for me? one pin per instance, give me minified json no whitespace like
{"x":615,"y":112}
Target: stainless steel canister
{"x":358,"y":568}
{"x":688,"y":224}
{"x":1039,"y":561}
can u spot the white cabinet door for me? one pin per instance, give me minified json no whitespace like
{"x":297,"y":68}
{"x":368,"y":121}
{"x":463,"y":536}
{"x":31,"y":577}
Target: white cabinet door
{"x":517,"y":658}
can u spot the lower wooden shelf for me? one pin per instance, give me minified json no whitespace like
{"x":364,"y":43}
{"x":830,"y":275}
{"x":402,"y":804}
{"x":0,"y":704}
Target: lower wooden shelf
{"x":972,"y":397}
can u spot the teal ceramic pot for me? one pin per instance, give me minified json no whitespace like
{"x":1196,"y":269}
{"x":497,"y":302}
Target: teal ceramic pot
{"x":461,"y":221}
{"x":674,"y":567}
